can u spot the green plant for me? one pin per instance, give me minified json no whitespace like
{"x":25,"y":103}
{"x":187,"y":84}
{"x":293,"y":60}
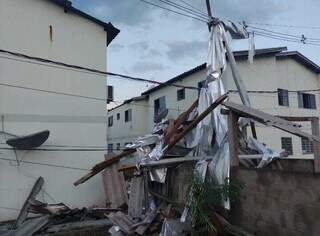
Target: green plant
{"x":208,"y":196}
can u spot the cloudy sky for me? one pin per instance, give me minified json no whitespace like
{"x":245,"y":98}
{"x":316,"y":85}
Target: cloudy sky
{"x":157,"y":44}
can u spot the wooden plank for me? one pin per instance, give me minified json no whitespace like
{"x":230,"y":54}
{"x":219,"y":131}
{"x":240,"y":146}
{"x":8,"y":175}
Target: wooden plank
{"x":316,"y":145}
{"x":269,"y":120}
{"x":233,"y":135}
{"x":24,"y":210}
{"x":196,"y":121}
{"x":102,"y":165}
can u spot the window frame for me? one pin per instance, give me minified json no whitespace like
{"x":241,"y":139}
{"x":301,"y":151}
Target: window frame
{"x":181,"y":94}
{"x":307,"y":101}
{"x":158,"y":107}
{"x":283,"y":97}
{"x":110,"y":121}
{"x":110,"y":147}
{"x":283,"y":144}
{"x":306,"y":146}
{"x":128,"y":115}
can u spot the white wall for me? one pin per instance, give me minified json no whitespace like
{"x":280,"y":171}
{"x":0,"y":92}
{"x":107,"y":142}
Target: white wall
{"x":125,"y":132}
{"x":72,"y":121}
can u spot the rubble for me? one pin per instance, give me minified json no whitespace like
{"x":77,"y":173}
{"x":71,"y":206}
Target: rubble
{"x":210,"y":137}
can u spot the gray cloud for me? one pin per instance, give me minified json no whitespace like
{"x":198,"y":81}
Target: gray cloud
{"x":178,"y":50}
{"x":140,"y":46}
{"x":127,"y":12}
{"x":147,"y":66}
{"x":154,"y":53}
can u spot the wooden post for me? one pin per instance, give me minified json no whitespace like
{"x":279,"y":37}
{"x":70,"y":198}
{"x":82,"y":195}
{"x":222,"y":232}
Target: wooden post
{"x":233,"y":136}
{"x":316,"y":145}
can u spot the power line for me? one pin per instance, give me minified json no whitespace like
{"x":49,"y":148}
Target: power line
{"x":52,"y":92}
{"x":284,"y":34}
{"x":45,"y":164}
{"x":81,"y":68}
{"x":283,"y":25}
{"x":192,"y":6}
{"x":176,"y":12}
{"x":59,"y":150}
{"x":185,"y":9}
{"x":281,"y":38}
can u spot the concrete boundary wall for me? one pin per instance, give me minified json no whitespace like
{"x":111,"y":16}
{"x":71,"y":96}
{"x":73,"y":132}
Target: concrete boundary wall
{"x":277,"y":202}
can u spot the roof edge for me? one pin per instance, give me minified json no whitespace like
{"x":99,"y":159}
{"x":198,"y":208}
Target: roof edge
{"x":112,"y":31}
{"x":300,"y":58}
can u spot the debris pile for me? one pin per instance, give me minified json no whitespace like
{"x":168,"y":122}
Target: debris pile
{"x":210,"y":137}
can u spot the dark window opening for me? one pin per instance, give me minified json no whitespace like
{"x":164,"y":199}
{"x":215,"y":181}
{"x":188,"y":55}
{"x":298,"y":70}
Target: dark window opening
{"x":283,"y":97}
{"x":118,"y":146}
{"x":286,"y":144}
{"x":128,"y":115}
{"x":306,"y":100}
{"x":307,"y":146}
{"x":110,"y":147}
{"x":110,"y":121}
{"x":118,"y":116}
{"x":109,"y":94}
{"x":159,"y":105}
{"x":181,"y":94}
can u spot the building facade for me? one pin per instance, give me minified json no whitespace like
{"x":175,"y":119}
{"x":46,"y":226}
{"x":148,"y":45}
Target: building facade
{"x":36,"y":96}
{"x":278,"y":81}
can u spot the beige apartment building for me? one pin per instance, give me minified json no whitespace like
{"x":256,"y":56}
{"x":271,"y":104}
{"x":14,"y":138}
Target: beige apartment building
{"x":54,"y":30}
{"x":278,"y":81}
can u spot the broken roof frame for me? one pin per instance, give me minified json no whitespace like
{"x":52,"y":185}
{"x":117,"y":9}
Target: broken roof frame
{"x":282,"y":123}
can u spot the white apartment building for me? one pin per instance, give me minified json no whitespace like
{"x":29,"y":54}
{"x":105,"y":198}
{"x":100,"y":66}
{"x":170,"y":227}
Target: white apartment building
{"x":54,"y":30}
{"x":273,"y":82}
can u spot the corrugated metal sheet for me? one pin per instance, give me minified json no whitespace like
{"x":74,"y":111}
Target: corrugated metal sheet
{"x":114,"y":186}
{"x":137,"y":197}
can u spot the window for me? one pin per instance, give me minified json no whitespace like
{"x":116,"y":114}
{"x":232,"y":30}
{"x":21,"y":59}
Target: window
{"x":159,"y":105}
{"x":110,"y":147}
{"x":181,"y":94}
{"x":286,"y":144}
{"x":201,"y":84}
{"x":118,"y":116}
{"x":128,"y":115}
{"x":307,"y":146}
{"x":306,"y":100}
{"x":283,"y":97}
{"x":110,"y":121}
{"x":109,"y":94}
{"x":118,"y":146}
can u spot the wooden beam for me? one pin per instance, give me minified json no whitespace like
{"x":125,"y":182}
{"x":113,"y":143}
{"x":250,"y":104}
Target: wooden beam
{"x":102,"y":165}
{"x":196,"y":121}
{"x":269,"y":120}
{"x":316,"y":145}
{"x":233,"y":135}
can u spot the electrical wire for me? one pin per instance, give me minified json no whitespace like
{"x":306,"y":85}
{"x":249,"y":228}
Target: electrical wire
{"x":192,"y":6}
{"x":93,"y":70}
{"x":185,"y":9}
{"x":46,"y":164}
{"x":176,"y":12}
{"x":283,"y":25}
{"x":284,"y":34}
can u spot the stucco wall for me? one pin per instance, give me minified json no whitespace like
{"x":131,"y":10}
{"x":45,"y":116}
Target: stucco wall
{"x":125,"y":132}
{"x":278,"y":203}
{"x":72,"y":121}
